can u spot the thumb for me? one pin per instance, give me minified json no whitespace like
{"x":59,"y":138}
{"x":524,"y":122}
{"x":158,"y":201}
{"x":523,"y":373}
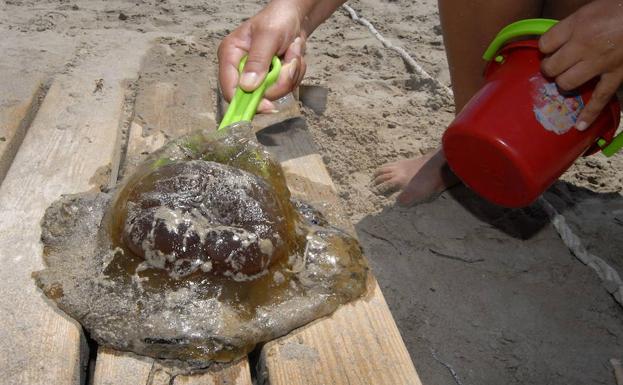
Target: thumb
{"x":263,"y":47}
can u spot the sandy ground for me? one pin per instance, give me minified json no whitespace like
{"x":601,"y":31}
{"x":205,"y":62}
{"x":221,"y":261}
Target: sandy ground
{"x":491,"y":293}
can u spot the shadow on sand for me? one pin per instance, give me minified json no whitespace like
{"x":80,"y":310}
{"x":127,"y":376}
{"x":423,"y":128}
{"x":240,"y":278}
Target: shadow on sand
{"x":494,"y":292}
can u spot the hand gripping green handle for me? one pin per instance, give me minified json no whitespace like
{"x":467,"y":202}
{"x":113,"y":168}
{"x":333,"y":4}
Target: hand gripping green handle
{"x":518,"y":29}
{"x":538,"y":27}
{"x":244,"y":104}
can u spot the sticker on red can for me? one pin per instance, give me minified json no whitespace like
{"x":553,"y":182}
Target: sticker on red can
{"x":555,"y":112}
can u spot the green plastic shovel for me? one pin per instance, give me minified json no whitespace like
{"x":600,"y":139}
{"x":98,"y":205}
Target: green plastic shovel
{"x":244,"y":104}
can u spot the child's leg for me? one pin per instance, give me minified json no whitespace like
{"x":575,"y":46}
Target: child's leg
{"x":468,"y":28}
{"x":559,"y":9}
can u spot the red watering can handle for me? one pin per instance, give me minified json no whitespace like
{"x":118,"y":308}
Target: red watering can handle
{"x":520,"y":28}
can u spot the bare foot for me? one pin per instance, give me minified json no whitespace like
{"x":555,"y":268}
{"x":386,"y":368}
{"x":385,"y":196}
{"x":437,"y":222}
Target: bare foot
{"x":419,"y":179}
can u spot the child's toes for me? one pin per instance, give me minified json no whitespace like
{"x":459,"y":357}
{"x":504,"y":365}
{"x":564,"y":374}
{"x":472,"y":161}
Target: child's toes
{"x":386,"y":188}
{"x":382,"y":177}
{"x":385,"y":169}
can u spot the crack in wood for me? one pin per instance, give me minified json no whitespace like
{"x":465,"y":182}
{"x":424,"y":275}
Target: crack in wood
{"x":125,"y":121}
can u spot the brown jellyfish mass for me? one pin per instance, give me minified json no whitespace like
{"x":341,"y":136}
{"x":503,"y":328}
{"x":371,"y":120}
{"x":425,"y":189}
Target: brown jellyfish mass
{"x":197,"y":256}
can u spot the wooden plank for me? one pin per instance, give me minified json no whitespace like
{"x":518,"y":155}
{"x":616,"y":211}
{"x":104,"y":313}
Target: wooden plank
{"x":237,"y":373}
{"x":359,"y":343}
{"x":71,"y":137}
{"x":113,"y":368}
{"x":26,"y":65}
{"x":171,"y":103}
{"x":18,"y":104}
{"x":167,"y":107}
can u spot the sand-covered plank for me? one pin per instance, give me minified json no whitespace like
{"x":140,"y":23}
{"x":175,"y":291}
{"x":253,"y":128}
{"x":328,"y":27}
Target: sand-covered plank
{"x":18,"y":104}
{"x":72,"y":136}
{"x":175,"y":95}
{"x":26,"y":67}
{"x":359,"y":343}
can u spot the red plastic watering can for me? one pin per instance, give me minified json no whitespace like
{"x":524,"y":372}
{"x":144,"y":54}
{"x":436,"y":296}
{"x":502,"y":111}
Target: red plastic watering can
{"x":516,"y":136}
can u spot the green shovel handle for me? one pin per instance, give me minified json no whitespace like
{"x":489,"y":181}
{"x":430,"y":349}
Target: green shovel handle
{"x":244,"y":104}
{"x":517,"y":29}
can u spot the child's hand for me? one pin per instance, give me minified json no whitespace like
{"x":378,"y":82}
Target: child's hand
{"x":585,"y":45}
{"x":276,"y":30}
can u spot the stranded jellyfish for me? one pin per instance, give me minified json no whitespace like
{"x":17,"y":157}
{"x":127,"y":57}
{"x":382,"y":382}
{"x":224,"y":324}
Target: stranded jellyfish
{"x":198,"y":255}
{"x":205,"y":215}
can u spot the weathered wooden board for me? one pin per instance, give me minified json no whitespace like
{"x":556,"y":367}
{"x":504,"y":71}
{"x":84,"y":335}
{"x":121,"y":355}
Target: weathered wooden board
{"x":72,"y":136}
{"x":360,"y":343}
{"x":18,"y":104}
{"x":26,"y":65}
{"x":237,"y":373}
{"x":113,"y":368}
{"x":166,"y":107}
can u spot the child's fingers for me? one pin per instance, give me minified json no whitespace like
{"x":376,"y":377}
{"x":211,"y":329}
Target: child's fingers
{"x":602,"y":94}
{"x":263,"y":47}
{"x":228,"y":78}
{"x":558,"y":35}
{"x":384,"y":177}
{"x":229,"y":56}
{"x":302,"y":66}
{"x":286,"y":81}
{"x":299,"y":79}
{"x":296,"y":50}
{"x":292,"y":70}
{"x":561,"y":60}
{"x":577,"y":75}
{"x":266,"y":106}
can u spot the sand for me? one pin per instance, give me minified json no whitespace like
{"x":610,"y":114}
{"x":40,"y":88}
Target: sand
{"x":493,"y":294}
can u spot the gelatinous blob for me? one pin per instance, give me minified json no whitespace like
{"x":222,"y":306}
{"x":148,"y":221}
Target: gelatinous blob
{"x":197,"y":256}
{"x":198,"y":214}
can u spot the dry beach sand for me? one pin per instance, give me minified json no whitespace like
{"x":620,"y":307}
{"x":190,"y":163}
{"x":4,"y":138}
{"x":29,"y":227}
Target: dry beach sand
{"x":482,"y":295}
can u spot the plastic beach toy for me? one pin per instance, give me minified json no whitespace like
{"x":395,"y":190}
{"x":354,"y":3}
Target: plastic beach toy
{"x":244,"y":104}
{"x":517,"y":135}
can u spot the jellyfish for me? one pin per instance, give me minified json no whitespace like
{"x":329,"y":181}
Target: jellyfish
{"x":198,"y":255}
